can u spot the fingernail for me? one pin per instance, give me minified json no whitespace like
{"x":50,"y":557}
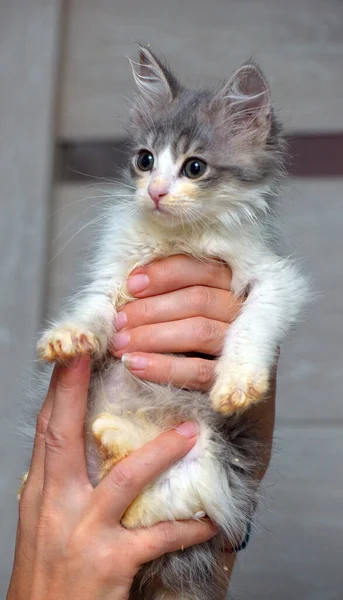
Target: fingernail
{"x":188,"y":429}
{"x":121,"y":320}
{"x":121,"y":340}
{"x":137,"y":283}
{"x":134,"y":363}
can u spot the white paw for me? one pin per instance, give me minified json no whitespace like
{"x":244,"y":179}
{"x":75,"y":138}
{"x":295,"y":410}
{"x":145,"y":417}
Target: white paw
{"x":237,"y":387}
{"x":116,"y":433}
{"x":112,"y":444}
{"x":116,"y":438}
{"x":63,"y":343}
{"x":106,"y":430}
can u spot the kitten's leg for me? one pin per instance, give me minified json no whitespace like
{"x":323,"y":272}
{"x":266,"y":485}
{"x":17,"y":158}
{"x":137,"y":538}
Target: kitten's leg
{"x":116,"y":437}
{"x":89,"y":328}
{"x":243,"y":371}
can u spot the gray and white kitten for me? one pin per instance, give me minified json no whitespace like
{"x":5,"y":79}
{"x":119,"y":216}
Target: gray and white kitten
{"x":205,"y":167}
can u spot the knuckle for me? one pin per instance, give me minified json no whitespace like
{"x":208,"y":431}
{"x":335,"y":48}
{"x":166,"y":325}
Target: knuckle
{"x":163,"y":270}
{"x":64,"y":387}
{"x":216,"y":269}
{"x":121,"y":477}
{"x":54,"y":439}
{"x":204,"y":330}
{"x":148,"y":337}
{"x":169,"y":534}
{"x":205,"y":373}
{"x":199,"y":297}
{"x":145,"y":312}
{"x":41,"y":424}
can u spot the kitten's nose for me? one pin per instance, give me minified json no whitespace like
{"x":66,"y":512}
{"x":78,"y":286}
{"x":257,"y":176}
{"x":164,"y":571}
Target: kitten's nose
{"x":157,"y":190}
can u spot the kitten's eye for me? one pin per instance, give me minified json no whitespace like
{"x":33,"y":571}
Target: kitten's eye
{"x":194,"y":168}
{"x":145,"y":160}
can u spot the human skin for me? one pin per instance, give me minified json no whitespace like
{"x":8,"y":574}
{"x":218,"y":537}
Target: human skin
{"x":70,"y":542}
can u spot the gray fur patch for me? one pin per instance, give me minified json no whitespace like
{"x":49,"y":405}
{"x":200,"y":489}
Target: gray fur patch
{"x":240,"y":140}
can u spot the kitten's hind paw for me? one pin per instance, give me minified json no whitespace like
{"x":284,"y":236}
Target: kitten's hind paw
{"x":63,"y":343}
{"x":114,"y":437}
{"x":238,"y":389}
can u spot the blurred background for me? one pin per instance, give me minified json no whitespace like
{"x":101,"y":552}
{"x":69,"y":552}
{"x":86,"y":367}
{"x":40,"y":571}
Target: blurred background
{"x":63,"y":82}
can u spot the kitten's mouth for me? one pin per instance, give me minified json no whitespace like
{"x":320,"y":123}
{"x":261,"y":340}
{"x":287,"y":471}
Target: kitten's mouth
{"x":160,"y":210}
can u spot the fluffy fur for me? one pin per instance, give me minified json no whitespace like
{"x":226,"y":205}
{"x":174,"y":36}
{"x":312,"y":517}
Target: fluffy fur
{"x":225,"y":214}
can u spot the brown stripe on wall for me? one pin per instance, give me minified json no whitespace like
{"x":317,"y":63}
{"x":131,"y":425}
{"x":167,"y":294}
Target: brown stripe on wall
{"x":310,"y":155}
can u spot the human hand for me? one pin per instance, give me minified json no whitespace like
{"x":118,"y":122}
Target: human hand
{"x":183,"y":305}
{"x":70,"y":543}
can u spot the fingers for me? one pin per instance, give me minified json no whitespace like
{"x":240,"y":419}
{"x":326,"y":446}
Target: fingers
{"x":64,"y":437}
{"x":193,"y":301}
{"x":30,"y":498}
{"x":197,"y":334}
{"x":167,"y":537}
{"x":175,"y":273}
{"x":191,"y":373}
{"x":36,"y":473}
{"x":128,"y":478}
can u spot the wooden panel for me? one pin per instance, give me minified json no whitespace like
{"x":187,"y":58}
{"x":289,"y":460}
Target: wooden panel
{"x":298,"y":43}
{"x":312,"y":155}
{"x":29,"y":31}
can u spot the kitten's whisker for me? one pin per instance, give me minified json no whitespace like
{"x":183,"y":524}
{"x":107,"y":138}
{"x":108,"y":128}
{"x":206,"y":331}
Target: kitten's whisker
{"x":92,"y":222}
{"x":109,"y":180}
{"x":85,"y":199}
{"x":108,"y":198}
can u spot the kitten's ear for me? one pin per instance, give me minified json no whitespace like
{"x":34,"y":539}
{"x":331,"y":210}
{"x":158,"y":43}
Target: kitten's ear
{"x":247,"y":97}
{"x":154,"y":80}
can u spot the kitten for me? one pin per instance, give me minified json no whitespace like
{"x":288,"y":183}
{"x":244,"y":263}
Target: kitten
{"x":205,"y":166}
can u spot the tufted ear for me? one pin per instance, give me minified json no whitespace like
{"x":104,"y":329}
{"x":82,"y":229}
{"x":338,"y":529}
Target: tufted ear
{"x":155,"y":83}
{"x":246,"y":98}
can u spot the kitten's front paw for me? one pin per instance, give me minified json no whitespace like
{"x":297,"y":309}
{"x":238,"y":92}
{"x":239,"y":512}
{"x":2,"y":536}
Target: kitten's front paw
{"x":237,"y":388}
{"x":63,"y":343}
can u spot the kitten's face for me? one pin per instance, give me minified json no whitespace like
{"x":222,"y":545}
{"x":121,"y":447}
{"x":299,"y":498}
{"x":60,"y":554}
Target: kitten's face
{"x":174,"y":179}
{"x":167,"y":183}
{"x":201,"y":155}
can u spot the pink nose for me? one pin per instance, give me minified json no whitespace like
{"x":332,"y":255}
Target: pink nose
{"x":156,"y":193}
